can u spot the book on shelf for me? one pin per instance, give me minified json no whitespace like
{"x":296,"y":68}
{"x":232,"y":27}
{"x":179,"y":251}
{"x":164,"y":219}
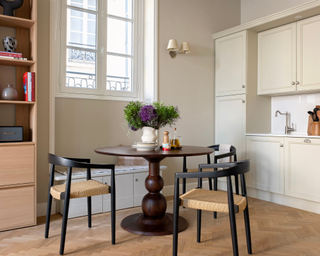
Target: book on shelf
{"x":29,"y":86}
{"x":10,"y":54}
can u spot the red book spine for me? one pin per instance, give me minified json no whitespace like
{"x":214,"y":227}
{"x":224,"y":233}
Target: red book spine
{"x":25,"y":86}
{"x":32,"y":85}
{"x":11,"y":54}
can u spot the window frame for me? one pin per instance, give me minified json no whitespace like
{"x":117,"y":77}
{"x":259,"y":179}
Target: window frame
{"x":101,"y":55}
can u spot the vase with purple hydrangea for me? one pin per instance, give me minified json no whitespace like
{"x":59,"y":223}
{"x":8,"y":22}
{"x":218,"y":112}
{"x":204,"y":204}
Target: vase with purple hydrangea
{"x":149,"y":117}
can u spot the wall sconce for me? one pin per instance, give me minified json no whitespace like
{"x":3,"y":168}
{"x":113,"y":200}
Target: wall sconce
{"x":174,"y":50}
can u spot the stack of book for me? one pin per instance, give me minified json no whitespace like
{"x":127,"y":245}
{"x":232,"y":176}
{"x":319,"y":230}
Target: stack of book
{"x":11,"y":55}
{"x":28,"y":86}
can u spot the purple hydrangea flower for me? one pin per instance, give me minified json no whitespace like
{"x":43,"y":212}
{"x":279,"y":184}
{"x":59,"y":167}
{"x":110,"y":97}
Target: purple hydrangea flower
{"x":132,"y":128}
{"x":148,"y":113}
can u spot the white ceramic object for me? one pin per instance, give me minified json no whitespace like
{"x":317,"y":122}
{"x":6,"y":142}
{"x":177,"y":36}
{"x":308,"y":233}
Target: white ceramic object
{"x":148,"y":134}
{"x":9,"y":93}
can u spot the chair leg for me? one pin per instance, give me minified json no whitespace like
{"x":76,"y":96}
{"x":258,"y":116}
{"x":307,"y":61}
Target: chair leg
{"x":64,"y":223}
{"x":113,"y":218}
{"x":89,"y":205}
{"x":248,"y":232}
{"x":236,"y":180}
{"x":198,"y":226}
{"x":46,"y":235}
{"x":210,"y":183}
{"x":215,"y":187}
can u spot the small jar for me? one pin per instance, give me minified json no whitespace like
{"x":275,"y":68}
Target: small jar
{"x":9,"y":93}
{"x":166,"y":145}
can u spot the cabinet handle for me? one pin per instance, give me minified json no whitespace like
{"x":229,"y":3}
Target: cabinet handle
{"x":243,"y":86}
{"x":297,"y":83}
{"x":307,"y":141}
{"x":243,"y":101}
{"x":106,"y":183}
{"x":293,"y":83}
{"x":281,"y":145}
{"x":136,"y":180}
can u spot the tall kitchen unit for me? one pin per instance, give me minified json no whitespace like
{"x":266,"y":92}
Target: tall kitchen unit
{"x":238,"y":109}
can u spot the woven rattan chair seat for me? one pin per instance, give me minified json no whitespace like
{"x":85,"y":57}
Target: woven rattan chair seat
{"x":80,"y":189}
{"x":211,"y":200}
{"x":196,"y":170}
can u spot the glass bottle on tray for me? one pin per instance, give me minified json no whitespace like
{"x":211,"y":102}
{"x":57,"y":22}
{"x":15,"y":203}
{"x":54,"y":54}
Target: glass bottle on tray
{"x":175,"y":143}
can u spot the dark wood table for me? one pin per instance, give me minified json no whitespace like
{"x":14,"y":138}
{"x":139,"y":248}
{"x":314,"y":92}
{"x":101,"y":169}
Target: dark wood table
{"x":153,"y":220}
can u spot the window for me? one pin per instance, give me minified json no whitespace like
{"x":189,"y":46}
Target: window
{"x":99,"y":48}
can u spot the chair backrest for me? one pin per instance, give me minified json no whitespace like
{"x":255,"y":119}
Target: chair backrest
{"x":233,"y":152}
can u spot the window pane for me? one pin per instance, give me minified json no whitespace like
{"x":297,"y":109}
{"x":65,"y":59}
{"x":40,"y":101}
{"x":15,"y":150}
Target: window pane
{"x":81,"y":69}
{"x":122,"y":8}
{"x":119,"y":36}
{"x":81,"y":29}
{"x":119,"y":74}
{"x":86,"y":4}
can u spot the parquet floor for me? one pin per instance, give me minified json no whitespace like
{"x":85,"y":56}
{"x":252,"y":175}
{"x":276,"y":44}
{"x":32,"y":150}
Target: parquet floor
{"x":276,"y":230}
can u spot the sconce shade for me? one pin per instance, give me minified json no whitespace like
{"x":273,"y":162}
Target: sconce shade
{"x":185,"y":47}
{"x":172,"y":45}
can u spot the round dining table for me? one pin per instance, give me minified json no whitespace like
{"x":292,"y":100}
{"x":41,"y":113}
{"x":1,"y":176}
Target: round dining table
{"x":153,"y":221}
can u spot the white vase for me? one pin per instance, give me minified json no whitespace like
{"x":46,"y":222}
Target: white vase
{"x":148,"y":134}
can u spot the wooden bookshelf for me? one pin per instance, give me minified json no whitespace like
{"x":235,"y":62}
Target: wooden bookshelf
{"x":18,"y":160}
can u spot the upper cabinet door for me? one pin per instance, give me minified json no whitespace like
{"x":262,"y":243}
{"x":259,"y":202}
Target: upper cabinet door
{"x":308,"y":54}
{"x":230,"y":64}
{"x":277,"y":60}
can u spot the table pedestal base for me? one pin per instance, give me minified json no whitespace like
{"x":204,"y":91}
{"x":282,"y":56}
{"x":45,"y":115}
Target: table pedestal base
{"x":142,"y":225}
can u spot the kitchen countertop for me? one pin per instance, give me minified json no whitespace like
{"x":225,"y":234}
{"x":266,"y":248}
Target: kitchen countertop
{"x":282,"y":135}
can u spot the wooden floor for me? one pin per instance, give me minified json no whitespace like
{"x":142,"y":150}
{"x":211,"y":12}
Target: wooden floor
{"x":276,"y":230}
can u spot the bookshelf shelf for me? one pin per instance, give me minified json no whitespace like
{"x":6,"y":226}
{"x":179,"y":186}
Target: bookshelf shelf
{"x":17,"y":63}
{"x":15,"y":22}
{"x":16,"y":102}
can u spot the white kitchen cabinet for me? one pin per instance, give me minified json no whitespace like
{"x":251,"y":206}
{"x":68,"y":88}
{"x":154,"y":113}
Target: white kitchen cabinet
{"x":266,"y":156}
{"x":230,"y":64}
{"x":308,"y":61}
{"x":288,"y":58}
{"x":139,"y":187}
{"x":230,"y":122}
{"x":277,"y":60}
{"x":302,"y":170}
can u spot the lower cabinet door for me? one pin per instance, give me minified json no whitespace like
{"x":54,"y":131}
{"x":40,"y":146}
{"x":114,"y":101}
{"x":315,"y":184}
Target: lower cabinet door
{"x":230,"y":122}
{"x":139,"y":187}
{"x":266,"y":163}
{"x":78,"y":206}
{"x":17,"y":207}
{"x":124,"y":192}
{"x":302,"y":169}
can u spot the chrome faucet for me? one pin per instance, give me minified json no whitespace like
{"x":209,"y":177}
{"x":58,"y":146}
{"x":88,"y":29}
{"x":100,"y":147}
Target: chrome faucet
{"x":287,"y":127}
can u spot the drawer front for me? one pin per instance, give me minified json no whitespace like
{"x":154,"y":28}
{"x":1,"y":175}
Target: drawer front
{"x":17,"y":207}
{"x":16,"y":165}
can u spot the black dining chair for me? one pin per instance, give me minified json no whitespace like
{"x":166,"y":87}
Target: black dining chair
{"x":232,"y":153}
{"x":218,"y":201}
{"x":87,"y":188}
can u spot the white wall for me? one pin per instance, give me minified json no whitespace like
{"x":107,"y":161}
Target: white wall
{"x":255,"y":9}
{"x":297,"y":106}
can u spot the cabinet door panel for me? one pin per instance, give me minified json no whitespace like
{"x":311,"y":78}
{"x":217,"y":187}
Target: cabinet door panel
{"x":230,"y":122}
{"x":17,"y":207}
{"x":308,"y":35}
{"x":302,"y":168}
{"x":139,"y":187}
{"x":124,"y":192}
{"x":78,"y":206}
{"x":266,"y":163}
{"x":277,"y":60}
{"x":230,"y":64}
{"x":16,"y":165}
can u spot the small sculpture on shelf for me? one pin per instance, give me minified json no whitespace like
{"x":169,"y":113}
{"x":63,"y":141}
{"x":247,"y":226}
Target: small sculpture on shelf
{"x":9,"y":6}
{"x":9,"y":93}
{"x":9,"y":43}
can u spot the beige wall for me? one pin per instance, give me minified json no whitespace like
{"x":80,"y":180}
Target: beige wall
{"x":187,"y":81}
{"x":43,"y":99}
{"x":255,"y":9}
